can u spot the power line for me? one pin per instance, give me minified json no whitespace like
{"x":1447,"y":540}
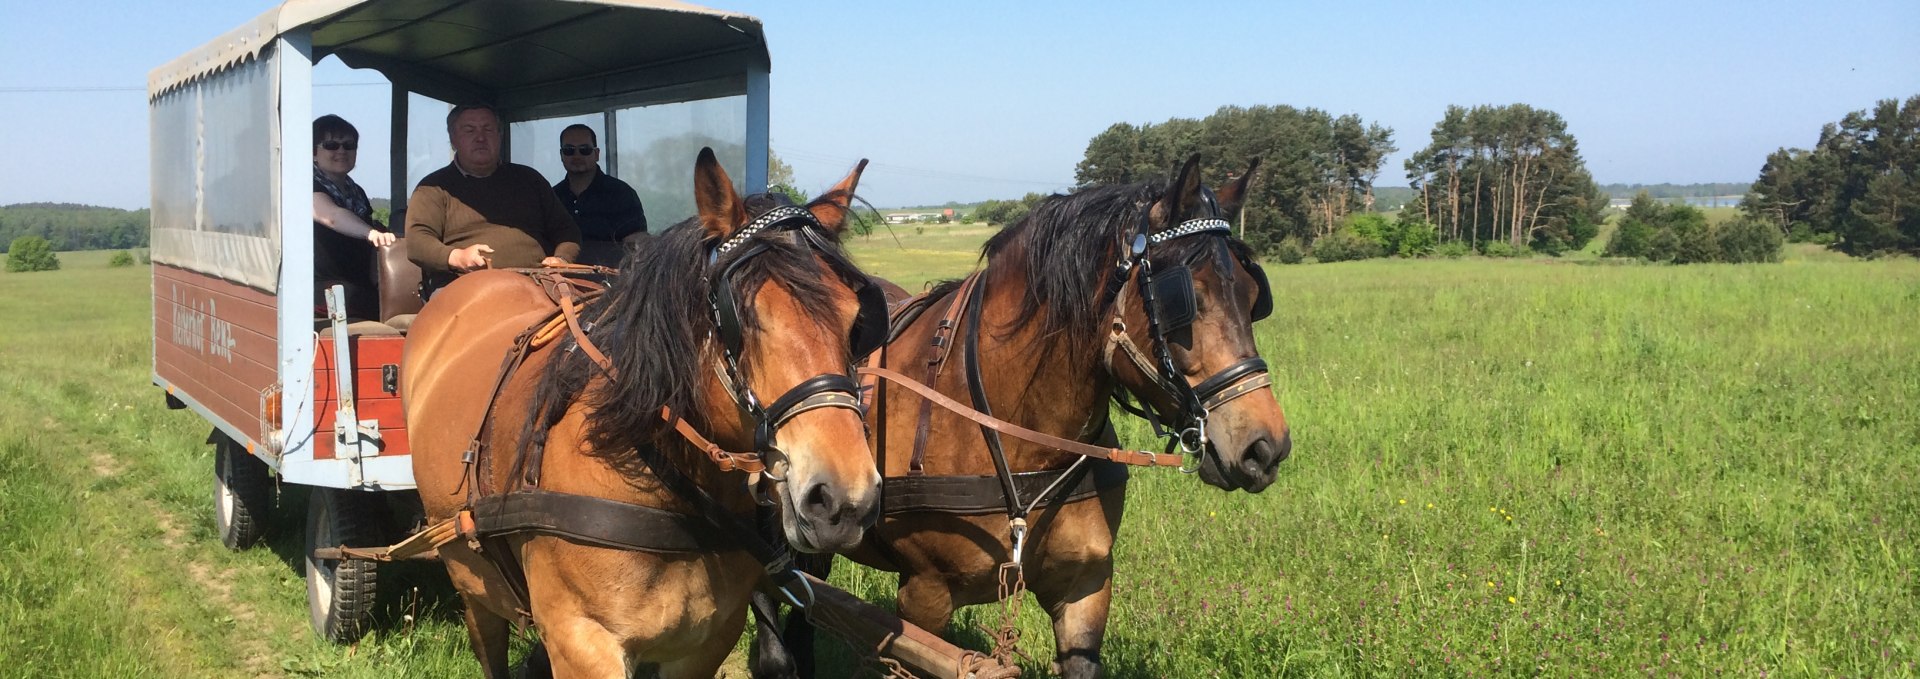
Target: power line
{"x":925,"y":173}
{"x":71,"y":89}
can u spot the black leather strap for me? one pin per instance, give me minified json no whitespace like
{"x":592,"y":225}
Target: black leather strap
{"x":599,"y":522}
{"x":977,"y":390}
{"x":983,"y":494}
{"x":1229,"y":376}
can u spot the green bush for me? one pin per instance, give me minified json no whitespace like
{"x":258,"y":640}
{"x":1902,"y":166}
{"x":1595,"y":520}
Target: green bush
{"x":120,"y":259}
{"x":1414,"y":238}
{"x":1500,"y":248}
{"x":1345,"y":246}
{"x":1746,"y":239}
{"x":1692,"y":241}
{"x":1288,"y":251}
{"x":145,"y":255}
{"x":1374,"y":227}
{"x":31,"y":253}
{"x":1634,"y":238}
{"x":1452,"y":249}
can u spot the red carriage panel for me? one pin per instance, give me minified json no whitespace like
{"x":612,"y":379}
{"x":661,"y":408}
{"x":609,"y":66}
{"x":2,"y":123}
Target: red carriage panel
{"x":370,"y":356}
{"x":215,"y":344}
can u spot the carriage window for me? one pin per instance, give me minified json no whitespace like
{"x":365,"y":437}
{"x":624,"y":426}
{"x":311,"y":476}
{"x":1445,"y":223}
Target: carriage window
{"x":658,"y":145}
{"x":427,"y":148}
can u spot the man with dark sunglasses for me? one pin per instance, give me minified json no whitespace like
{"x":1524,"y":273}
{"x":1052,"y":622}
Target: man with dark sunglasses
{"x":607,"y":209}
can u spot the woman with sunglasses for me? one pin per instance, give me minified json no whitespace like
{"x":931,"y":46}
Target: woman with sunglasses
{"x":345,"y":233}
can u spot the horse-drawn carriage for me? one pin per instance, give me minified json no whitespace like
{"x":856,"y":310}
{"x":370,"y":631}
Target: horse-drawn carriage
{"x":237,"y":338}
{"x":741,"y":299}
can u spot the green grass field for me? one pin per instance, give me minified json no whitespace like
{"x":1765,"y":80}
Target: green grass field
{"x":1501,"y":467}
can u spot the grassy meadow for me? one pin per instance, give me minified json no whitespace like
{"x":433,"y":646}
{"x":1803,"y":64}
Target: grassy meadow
{"x":1501,"y":467}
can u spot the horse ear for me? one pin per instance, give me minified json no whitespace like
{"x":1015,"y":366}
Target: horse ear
{"x":1234,"y":194}
{"x":831,"y":208}
{"x":721,"y":210}
{"x":1182,"y":193}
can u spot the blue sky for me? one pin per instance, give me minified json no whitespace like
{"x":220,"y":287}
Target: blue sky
{"x":965,"y":101}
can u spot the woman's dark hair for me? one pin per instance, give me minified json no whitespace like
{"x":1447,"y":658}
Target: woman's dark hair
{"x":333,"y":126}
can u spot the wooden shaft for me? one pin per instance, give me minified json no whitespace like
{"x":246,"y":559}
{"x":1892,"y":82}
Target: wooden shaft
{"x":867,"y":626}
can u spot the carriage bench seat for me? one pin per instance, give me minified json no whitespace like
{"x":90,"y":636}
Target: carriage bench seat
{"x":358,"y":328}
{"x":399,"y":280}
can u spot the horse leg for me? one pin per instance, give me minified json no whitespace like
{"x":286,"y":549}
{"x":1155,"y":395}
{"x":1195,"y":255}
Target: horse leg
{"x":582,"y":648}
{"x":799,"y":635}
{"x":789,"y":654}
{"x":1079,"y":612}
{"x":487,"y":633}
{"x":536,"y":665}
{"x":771,"y":659}
{"x":701,"y":664}
{"x":926,"y":601}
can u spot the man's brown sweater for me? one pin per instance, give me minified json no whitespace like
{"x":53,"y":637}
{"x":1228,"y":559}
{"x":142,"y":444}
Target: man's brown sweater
{"x":513,"y":211}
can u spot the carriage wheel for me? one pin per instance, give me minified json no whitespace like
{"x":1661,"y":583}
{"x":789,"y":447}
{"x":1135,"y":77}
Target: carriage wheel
{"x":340,"y":593}
{"x":242,"y":494}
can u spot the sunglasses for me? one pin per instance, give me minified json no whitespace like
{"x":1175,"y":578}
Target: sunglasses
{"x":583,"y":150}
{"x":337,"y":145}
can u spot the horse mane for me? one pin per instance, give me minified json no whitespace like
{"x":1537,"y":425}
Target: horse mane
{"x":654,"y":322}
{"x":1067,"y":246}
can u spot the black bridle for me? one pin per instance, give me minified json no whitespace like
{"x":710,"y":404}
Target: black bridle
{"x":1168,"y":300}
{"x":832,"y":390}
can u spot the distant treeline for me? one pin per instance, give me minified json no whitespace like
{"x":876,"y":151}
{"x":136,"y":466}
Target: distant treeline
{"x":74,"y":227}
{"x":1665,"y":191}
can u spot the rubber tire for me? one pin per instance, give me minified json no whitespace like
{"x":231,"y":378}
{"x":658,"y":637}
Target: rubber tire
{"x":243,"y":494}
{"x":341,"y":594}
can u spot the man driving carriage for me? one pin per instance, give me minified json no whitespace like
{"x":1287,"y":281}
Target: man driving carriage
{"x":481,"y":212}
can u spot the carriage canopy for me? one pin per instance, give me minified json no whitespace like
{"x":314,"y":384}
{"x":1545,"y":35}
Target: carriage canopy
{"x":230,"y":119}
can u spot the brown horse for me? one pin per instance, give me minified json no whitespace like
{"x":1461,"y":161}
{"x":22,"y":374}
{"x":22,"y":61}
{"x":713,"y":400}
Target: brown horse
{"x":752,"y":296}
{"x":1136,"y":289}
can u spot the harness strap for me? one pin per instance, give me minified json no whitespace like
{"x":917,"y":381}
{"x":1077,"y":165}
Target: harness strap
{"x":942,"y":344}
{"x":1237,"y":380}
{"x":975,"y":494}
{"x":598,"y":522}
{"x":572,"y":315}
{"x":977,"y":391}
{"x":1121,"y":455}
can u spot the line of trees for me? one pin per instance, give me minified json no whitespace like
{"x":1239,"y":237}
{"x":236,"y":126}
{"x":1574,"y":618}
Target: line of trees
{"x":1316,"y":168}
{"x":1510,"y":174}
{"x":66,"y":226}
{"x":1859,"y":184}
{"x":1680,"y":234}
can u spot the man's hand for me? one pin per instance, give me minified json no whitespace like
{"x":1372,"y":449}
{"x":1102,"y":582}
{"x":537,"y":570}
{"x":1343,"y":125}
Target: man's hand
{"x":470,"y":258}
{"x":380,"y":239}
{"x":554,"y":261}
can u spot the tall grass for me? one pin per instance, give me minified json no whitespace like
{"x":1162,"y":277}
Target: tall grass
{"x":1500,"y":467}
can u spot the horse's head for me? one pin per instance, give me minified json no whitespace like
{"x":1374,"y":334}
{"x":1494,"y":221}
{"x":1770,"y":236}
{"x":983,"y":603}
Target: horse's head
{"x":1189,"y":305}
{"x":791,"y":316}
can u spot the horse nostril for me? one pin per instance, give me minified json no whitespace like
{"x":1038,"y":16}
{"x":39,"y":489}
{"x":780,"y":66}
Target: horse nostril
{"x":871,"y":517}
{"x":818,"y":502}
